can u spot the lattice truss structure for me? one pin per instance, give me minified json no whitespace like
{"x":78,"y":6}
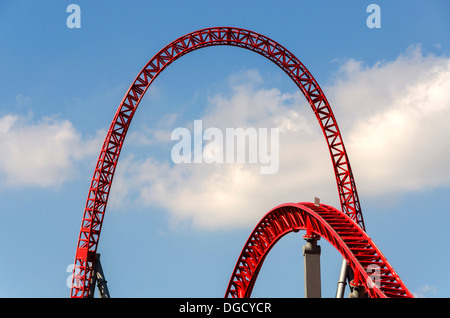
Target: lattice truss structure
{"x":94,"y":212}
{"x":329,"y":223}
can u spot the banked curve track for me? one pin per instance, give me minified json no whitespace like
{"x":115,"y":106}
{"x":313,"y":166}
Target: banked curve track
{"x":92,"y":220}
{"x":329,"y":223}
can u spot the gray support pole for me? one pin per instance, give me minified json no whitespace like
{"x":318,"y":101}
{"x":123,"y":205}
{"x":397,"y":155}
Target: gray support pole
{"x":311,"y":260}
{"x":342,"y":280}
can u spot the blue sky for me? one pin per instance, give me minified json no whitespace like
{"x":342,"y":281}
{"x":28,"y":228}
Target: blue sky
{"x":60,"y":88}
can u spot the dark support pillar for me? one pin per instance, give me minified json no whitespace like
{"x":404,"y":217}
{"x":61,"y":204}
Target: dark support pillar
{"x":98,"y":278}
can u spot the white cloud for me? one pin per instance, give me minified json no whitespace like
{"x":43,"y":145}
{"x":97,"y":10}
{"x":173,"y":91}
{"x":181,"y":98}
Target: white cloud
{"x":227,"y":195}
{"x":40,"y":153}
{"x":393,"y":117}
{"x":425,"y":291}
{"x":152,"y":135}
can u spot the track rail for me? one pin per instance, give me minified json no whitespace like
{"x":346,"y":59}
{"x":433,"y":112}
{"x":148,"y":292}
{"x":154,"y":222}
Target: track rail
{"x":325,"y":221}
{"x":99,"y":190}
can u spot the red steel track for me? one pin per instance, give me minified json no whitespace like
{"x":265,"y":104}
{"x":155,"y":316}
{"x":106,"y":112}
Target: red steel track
{"x":325,"y":221}
{"x":94,"y":212}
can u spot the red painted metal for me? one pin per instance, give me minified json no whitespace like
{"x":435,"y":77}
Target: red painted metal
{"x":94,"y":212}
{"x":337,"y":228}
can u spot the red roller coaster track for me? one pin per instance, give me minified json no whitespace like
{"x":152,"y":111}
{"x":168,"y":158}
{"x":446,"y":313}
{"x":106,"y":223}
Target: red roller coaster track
{"x":94,"y":212}
{"x":327,"y":222}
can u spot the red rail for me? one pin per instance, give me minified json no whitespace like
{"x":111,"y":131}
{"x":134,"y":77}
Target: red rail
{"x":337,"y":228}
{"x":97,"y":199}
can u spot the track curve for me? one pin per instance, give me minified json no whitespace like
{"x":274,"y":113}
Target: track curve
{"x":325,"y":221}
{"x":97,"y":199}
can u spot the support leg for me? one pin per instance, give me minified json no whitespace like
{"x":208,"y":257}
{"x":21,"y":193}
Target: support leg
{"x":342,"y":279}
{"x":98,"y":278}
{"x":357,"y":289}
{"x":311,"y":259}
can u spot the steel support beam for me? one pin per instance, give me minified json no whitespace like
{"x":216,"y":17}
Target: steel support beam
{"x":357,"y":289}
{"x":98,"y":278}
{"x":342,"y":280}
{"x":311,"y":263}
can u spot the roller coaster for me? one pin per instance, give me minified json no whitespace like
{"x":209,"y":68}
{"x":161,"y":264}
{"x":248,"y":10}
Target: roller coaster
{"x":364,"y":266}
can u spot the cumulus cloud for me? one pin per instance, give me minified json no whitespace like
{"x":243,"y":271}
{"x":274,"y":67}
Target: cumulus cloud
{"x":392,"y":116}
{"x":395,"y":118}
{"x":40,"y":153}
{"x":232,"y":195}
